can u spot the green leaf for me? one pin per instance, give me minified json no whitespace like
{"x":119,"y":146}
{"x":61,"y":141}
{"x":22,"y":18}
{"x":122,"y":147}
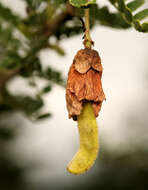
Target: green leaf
{"x":57,"y":48}
{"x":121,"y":5}
{"x":145,"y":27}
{"x":58,"y":2}
{"x":47,"y":89}
{"x":112,"y":1}
{"x":107,"y":18}
{"x":54,"y":76}
{"x":141,"y":15}
{"x":137,"y":25}
{"x":28,"y":104}
{"x":8,"y":15}
{"x":128,"y":15}
{"x":81,"y":3}
{"x":34,"y":3}
{"x":126,"y":12}
{"x":43,"y":116}
{"x":134,"y":5}
{"x":10,"y":61}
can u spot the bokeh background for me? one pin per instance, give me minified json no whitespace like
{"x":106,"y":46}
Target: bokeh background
{"x":36,"y":156}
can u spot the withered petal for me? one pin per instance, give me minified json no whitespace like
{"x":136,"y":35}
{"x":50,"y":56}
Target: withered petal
{"x":97,"y":107}
{"x":96,"y":62}
{"x":82,"y":62}
{"x":86,"y":58}
{"x":84,"y":82}
{"x":85,"y":86}
{"x":75,"y":81}
{"x":73,"y":105}
{"x":93,"y":85}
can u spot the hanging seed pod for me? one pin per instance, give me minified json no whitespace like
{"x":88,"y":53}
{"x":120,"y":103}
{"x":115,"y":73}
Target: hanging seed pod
{"x":84,"y":95}
{"x":89,"y":144}
{"x":84,"y":83}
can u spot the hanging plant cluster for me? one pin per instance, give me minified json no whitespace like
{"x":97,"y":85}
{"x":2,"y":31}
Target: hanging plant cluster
{"x":84,"y":93}
{"x":84,"y":97}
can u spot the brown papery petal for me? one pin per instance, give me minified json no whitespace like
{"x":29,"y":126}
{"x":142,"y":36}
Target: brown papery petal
{"x":75,"y":81}
{"x":87,"y":58}
{"x":92,"y":85}
{"x":97,"y":107}
{"x":85,"y":86}
{"x":96,"y":62}
{"x":84,"y":83}
{"x":82,"y":61}
{"x":73,"y":105}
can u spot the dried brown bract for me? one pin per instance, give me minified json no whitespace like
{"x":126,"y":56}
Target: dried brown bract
{"x":84,"y":82}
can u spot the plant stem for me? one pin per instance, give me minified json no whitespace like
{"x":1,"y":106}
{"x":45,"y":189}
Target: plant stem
{"x":87,"y":41}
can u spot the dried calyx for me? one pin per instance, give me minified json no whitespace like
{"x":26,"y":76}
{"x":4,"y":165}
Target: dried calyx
{"x":84,"y":83}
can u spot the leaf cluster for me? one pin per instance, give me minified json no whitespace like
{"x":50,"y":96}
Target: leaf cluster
{"x":127,"y":10}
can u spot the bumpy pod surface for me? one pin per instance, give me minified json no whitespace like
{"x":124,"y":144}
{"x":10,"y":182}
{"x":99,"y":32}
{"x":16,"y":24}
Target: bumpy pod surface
{"x":84,"y":83}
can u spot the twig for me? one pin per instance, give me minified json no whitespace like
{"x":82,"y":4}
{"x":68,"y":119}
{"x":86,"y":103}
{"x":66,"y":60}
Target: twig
{"x":87,"y":42}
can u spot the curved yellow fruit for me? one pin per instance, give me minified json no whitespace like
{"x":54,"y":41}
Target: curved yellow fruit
{"x":89,"y":146}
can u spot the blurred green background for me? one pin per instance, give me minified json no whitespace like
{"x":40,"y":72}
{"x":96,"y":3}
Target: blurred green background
{"x":38,"y":40}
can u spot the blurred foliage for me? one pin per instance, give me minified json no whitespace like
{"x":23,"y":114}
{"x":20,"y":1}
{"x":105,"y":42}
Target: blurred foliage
{"x":81,"y":3}
{"x":21,"y":41}
{"x":23,"y":38}
{"x":127,"y":10}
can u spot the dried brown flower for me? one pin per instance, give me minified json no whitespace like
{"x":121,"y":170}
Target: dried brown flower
{"x":84,"y":82}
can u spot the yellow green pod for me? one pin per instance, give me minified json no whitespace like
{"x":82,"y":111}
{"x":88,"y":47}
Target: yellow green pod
{"x":88,"y":134}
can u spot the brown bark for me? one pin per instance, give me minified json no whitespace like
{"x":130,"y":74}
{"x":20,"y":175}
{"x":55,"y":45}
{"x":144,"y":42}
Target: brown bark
{"x":5,"y":75}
